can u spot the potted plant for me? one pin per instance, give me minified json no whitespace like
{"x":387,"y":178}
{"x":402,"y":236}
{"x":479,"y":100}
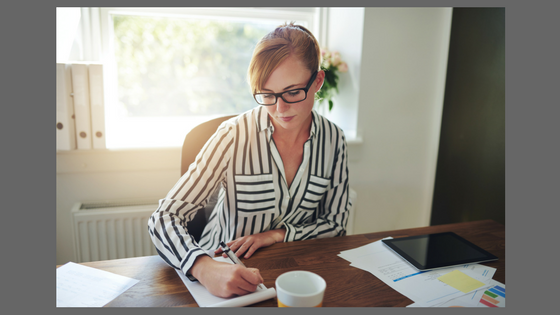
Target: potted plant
{"x":332,"y":64}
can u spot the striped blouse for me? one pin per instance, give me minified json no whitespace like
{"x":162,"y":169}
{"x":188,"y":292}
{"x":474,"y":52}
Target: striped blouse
{"x":242,"y":161}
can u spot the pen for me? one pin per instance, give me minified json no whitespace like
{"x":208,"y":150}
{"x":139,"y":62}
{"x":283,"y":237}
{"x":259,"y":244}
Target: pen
{"x":235,"y":260}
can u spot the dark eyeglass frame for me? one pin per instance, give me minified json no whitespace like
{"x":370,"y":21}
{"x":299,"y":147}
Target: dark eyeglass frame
{"x":277,"y":95}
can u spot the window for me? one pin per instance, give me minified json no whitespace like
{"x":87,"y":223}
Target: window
{"x":168,"y":69}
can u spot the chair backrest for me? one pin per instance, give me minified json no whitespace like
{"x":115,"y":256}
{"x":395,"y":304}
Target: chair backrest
{"x":196,"y":138}
{"x":193,"y":143}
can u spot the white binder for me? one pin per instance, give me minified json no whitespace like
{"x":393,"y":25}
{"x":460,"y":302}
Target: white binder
{"x":65,"y":125}
{"x":80,"y":86}
{"x":97,"y":105}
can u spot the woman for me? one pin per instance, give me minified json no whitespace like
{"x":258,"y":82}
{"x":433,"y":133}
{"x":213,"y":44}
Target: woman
{"x":281,"y":168}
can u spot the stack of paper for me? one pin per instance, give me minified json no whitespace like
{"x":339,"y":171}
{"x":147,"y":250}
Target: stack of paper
{"x":463,"y":285}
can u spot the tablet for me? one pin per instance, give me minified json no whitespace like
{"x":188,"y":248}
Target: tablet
{"x":437,"y":250}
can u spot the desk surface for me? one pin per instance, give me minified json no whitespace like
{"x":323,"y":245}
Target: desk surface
{"x":160,"y":286}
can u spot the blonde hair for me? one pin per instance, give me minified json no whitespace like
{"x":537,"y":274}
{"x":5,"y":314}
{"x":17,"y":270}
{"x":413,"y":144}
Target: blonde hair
{"x":276,"y":46}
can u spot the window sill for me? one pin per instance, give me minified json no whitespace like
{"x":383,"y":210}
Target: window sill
{"x":354,"y":141}
{"x":124,"y":160}
{"x":127,"y":160}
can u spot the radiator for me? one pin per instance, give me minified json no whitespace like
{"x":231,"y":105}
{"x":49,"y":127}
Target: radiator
{"x":112,"y":230}
{"x":120,"y":230}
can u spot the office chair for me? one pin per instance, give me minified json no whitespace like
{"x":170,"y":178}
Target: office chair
{"x":193,"y":143}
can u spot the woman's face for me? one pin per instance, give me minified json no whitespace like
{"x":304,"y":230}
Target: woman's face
{"x":291,"y":74}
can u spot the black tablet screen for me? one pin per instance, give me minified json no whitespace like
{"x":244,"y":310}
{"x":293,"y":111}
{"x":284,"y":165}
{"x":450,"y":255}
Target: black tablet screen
{"x":438,"y":250}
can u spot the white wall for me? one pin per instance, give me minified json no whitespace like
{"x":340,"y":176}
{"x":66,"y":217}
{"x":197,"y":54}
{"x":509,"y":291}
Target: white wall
{"x":401,"y":69}
{"x":345,"y":35}
{"x":402,"y":83}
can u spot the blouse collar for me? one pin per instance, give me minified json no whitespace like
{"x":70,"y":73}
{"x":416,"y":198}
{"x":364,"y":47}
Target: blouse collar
{"x":263,"y":122}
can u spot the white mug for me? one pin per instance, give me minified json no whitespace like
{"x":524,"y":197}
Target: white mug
{"x":300,"y":289}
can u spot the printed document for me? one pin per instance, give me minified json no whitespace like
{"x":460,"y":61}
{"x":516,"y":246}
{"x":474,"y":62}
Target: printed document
{"x":422,"y":287}
{"x":492,"y":295}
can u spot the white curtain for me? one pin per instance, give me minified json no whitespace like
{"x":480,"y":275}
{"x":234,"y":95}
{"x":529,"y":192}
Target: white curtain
{"x":78,"y":34}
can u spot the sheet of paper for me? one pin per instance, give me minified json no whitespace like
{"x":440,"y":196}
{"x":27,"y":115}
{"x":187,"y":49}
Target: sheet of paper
{"x":81,"y":286}
{"x":468,"y":300}
{"x":420,"y":286}
{"x":475,"y":299}
{"x":460,"y":281}
{"x":205,"y":299}
{"x":494,"y":296}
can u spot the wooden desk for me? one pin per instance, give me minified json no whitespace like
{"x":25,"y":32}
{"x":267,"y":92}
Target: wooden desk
{"x":160,"y":285}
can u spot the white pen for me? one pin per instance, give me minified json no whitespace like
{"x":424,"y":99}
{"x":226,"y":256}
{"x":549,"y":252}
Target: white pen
{"x":235,"y":259}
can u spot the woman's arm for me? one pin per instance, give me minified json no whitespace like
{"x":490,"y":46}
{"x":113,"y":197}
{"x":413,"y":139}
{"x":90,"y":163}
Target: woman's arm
{"x":250,"y":243}
{"x":168,"y":224}
{"x":223,"y":279}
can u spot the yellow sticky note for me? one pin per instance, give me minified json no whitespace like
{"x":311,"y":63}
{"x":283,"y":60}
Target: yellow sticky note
{"x":460,"y":281}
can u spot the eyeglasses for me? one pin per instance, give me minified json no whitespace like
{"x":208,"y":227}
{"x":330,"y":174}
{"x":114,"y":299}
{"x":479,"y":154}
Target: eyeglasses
{"x":290,"y":96}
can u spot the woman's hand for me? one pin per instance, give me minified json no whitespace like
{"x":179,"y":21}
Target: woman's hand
{"x":223,"y":279}
{"x":249,"y":244}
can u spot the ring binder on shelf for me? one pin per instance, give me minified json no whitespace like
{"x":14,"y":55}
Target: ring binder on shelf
{"x":80,"y":86}
{"x":65,"y":122}
{"x":97,"y":105}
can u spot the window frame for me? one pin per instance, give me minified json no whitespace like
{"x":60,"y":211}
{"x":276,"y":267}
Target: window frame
{"x":310,"y":15}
